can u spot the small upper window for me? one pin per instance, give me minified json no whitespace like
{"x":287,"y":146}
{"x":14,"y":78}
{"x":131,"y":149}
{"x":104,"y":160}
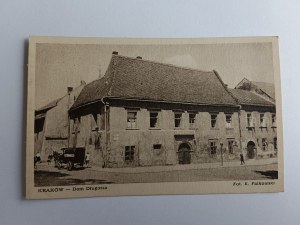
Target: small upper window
{"x":154,"y":120}
{"x":228,"y":120}
{"x":213,"y":120}
{"x":249,"y":120}
{"x":178,"y":117}
{"x":262,"y":121}
{"x":131,"y":119}
{"x":192,"y":120}
{"x":76,"y":124}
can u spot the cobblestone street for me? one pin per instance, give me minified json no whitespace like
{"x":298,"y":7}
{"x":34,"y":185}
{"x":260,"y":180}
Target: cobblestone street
{"x":48,"y":175}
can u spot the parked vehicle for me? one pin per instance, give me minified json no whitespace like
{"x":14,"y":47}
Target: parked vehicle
{"x":71,"y":157}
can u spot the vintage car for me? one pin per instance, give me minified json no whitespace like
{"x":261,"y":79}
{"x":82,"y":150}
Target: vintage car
{"x":71,"y":157}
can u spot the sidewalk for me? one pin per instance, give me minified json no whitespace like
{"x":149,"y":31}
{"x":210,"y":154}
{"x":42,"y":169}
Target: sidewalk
{"x":151,"y":169}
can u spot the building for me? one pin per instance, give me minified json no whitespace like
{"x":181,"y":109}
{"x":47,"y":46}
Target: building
{"x":258,"y":121}
{"x":51,"y":124}
{"x":144,"y":113}
{"x":264,"y":89}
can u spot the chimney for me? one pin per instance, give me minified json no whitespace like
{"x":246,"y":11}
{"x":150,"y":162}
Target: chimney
{"x":70,"y":89}
{"x":82,"y":82}
{"x":115,"y":53}
{"x":139,"y":57}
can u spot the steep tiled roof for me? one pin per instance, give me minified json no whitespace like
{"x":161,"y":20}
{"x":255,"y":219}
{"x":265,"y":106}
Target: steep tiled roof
{"x":259,"y":87}
{"x":244,"y":97}
{"x":132,"y":78}
{"x":268,"y":88}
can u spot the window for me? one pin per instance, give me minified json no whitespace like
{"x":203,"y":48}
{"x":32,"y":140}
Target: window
{"x":230,"y":146}
{"x":131,"y":119}
{"x":273,"y":120}
{"x":228,"y":120}
{"x":178,"y":117}
{"x":249,"y":120}
{"x":213,"y":147}
{"x":76,"y":125}
{"x":275,"y":143}
{"x":156,"y":146}
{"x":154,"y":120}
{"x":262,"y":122}
{"x":129,"y":153}
{"x":213,"y":120}
{"x":264,"y":144}
{"x":192,"y":120}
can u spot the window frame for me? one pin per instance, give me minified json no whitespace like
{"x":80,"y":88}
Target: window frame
{"x":131,"y":150}
{"x":230,"y":140}
{"x":264,"y":144}
{"x":249,"y":120}
{"x":275,"y":143}
{"x":262,"y":120}
{"x":157,"y":118}
{"x":213,"y":148}
{"x":273,"y":119}
{"x":155,"y":145}
{"x":228,"y":125}
{"x":176,"y":119}
{"x":192,"y":125}
{"x":130,"y":123}
{"x":215,"y":120}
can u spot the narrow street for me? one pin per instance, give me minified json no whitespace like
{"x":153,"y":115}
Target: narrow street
{"x":48,"y":175}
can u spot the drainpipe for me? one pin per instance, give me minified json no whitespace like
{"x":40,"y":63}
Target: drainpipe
{"x":240,"y":129}
{"x":105,"y":130}
{"x":69,"y":134}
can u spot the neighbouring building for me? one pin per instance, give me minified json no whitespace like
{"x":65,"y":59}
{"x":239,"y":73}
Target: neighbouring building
{"x":258,"y":124}
{"x":264,"y":89}
{"x":51,"y":123}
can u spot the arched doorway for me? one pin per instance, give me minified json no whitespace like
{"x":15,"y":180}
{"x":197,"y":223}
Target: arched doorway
{"x":251,"y":150}
{"x":184,"y":153}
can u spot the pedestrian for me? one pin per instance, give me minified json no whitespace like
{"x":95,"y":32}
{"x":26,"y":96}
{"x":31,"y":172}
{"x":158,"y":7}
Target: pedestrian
{"x":242,"y":159}
{"x":87,"y":159}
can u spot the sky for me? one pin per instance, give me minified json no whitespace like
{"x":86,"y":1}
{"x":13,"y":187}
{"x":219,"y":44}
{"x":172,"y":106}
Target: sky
{"x":59,"y":66}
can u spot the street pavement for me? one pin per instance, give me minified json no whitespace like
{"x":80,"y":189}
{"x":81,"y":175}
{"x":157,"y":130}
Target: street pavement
{"x":48,"y":175}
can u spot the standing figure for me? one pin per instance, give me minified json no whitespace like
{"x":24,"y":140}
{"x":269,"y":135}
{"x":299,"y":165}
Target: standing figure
{"x":242,"y":159}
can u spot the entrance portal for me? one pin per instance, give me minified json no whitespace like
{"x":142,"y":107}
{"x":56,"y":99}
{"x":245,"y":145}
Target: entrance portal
{"x":184,"y":154}
{"x":250,"y":149}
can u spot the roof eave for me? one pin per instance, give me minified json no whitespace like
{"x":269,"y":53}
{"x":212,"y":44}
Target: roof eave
{"x":261,"y":105}
{"x":165,"y":101}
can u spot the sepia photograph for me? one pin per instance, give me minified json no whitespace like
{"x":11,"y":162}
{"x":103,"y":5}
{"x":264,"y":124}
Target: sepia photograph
{"x":121,"y":116}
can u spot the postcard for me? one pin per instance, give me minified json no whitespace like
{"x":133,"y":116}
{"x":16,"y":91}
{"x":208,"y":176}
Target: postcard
{"x":139,"y":116}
